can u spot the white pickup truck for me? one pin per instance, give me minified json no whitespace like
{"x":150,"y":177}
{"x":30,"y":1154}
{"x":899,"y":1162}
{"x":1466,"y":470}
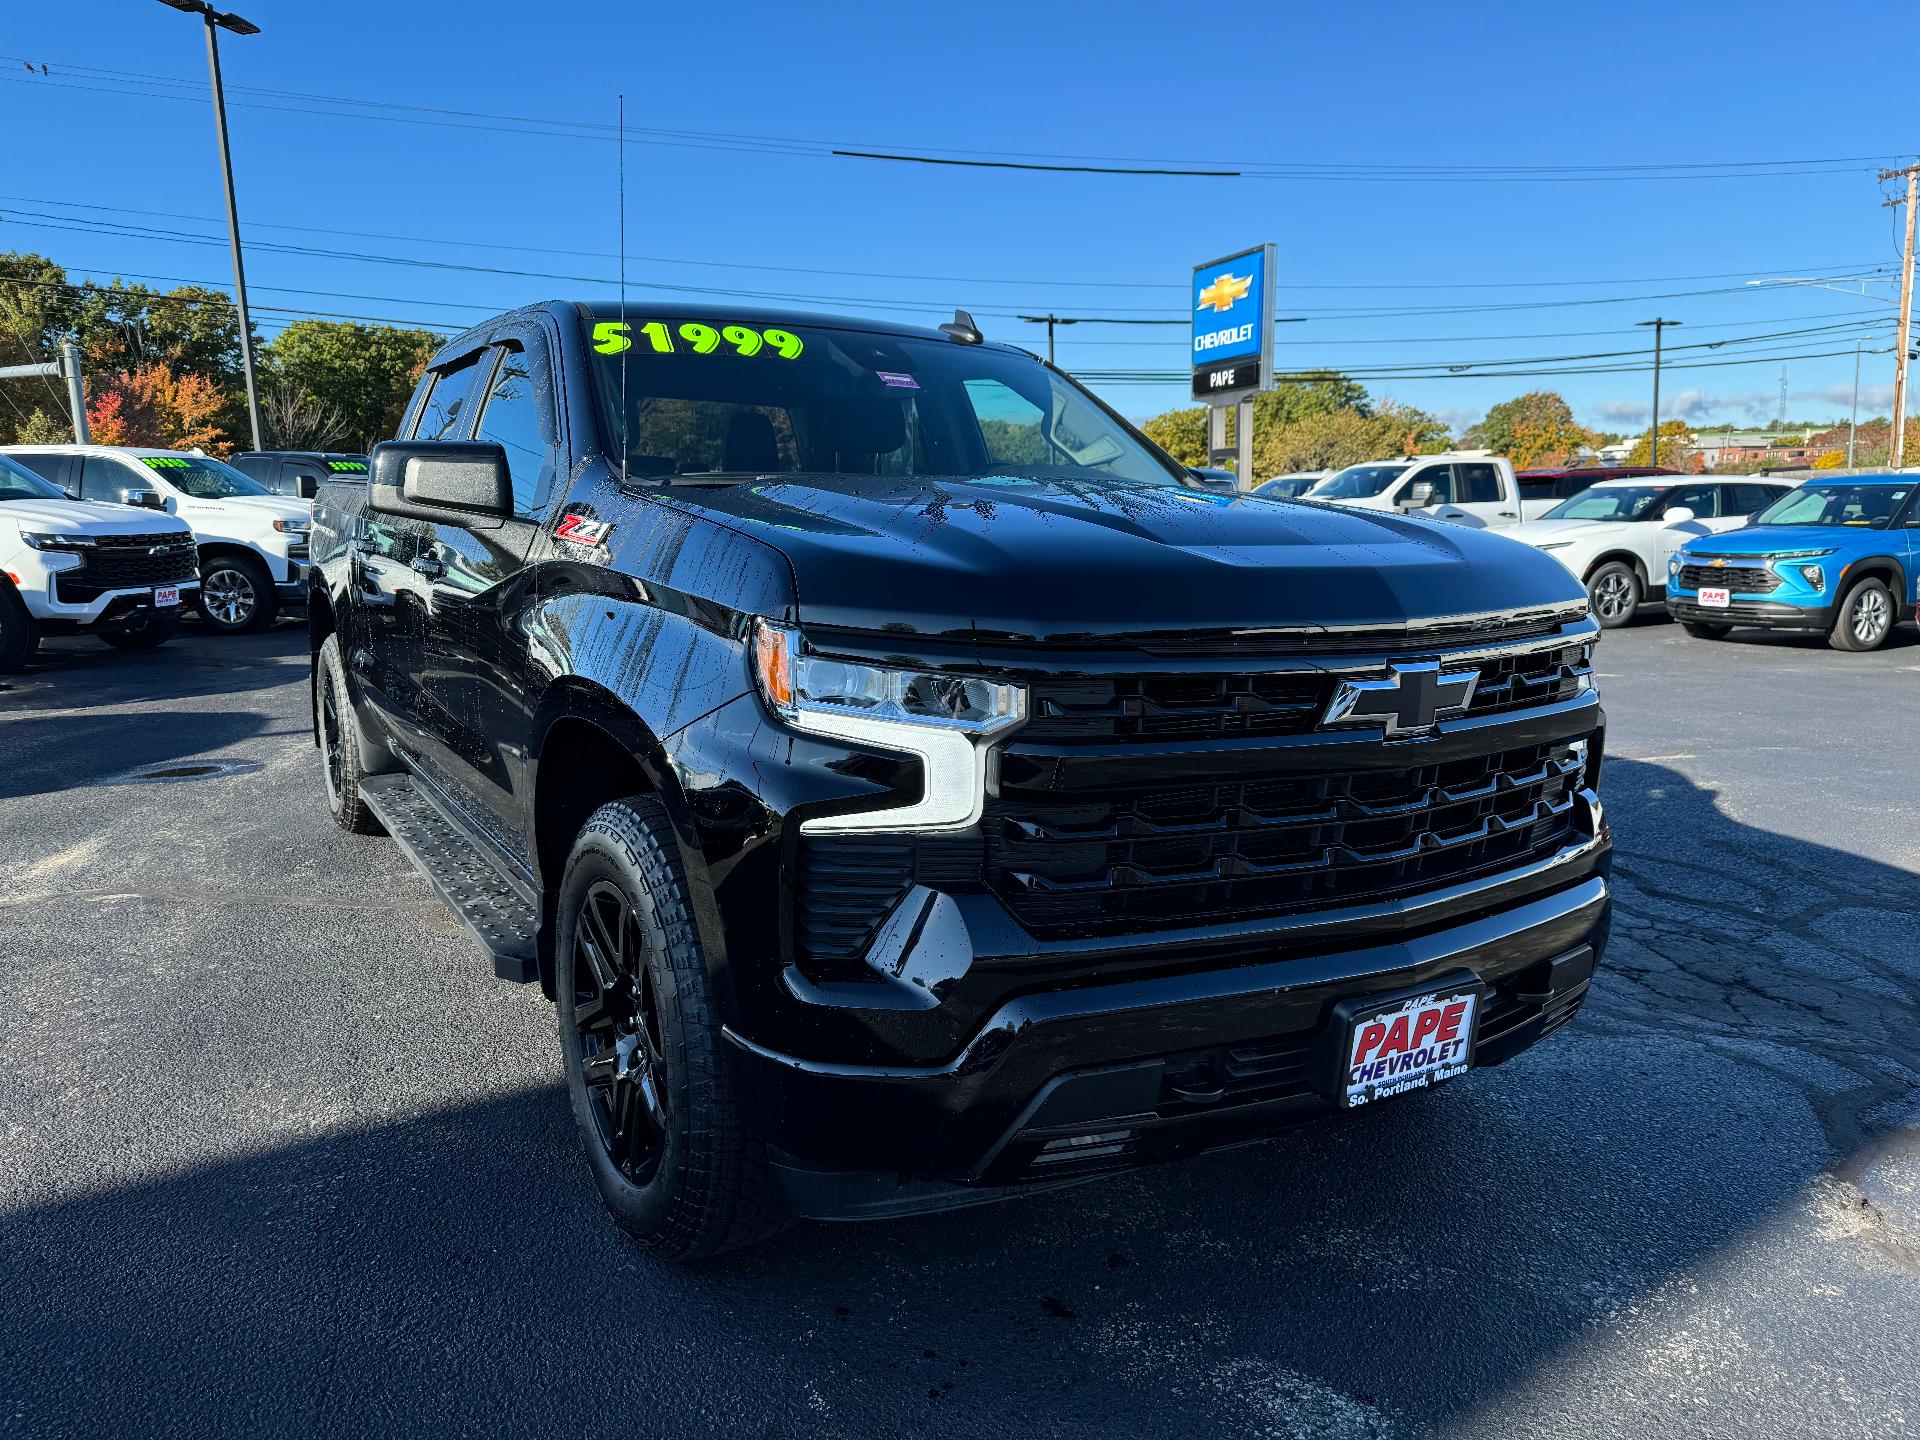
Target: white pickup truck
{"x":1480,"y":491}
{"x":253,"y":543}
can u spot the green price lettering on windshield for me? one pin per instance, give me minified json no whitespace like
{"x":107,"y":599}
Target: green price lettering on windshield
{"x":615,"y":337}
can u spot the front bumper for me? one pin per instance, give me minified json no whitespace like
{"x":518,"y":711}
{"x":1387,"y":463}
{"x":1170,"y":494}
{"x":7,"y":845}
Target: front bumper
{"x":57,"y":614}
{"x":1766,"y":614}
{"x":1067,"y":1083}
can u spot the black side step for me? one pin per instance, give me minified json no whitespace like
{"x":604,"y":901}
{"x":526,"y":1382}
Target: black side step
{"x":495,"y":911}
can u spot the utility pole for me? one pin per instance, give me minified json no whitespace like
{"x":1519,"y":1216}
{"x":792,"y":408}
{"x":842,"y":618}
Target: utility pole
{"x":1896,"y":454}
{"x":1853,"y":421}
{"x":1658,"y":327}
{"x":1049,"y":321}
{"x":216,"y":22}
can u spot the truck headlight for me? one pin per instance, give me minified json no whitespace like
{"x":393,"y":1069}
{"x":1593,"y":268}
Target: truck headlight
{"x":291,"y":527}
{"x":55,"y":540}
{"x":948,"y":721}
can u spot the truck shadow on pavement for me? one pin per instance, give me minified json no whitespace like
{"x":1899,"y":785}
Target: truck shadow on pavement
{"x":1749,"y":1048}
{"x":52,"y":753}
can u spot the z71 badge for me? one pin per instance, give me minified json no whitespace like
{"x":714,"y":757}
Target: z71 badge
{"x":582,"y":529}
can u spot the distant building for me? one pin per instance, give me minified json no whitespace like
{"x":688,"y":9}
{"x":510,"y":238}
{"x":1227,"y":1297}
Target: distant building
{"x":1718,"y":449}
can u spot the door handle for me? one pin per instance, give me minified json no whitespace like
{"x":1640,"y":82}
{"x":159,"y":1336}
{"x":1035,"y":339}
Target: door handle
{"x":428,"y":566}
{"x":1508,"y":515}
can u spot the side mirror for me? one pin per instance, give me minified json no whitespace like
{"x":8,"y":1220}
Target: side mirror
{"x":305,"y":486}
{"x":464,"y":482}
{"x":1677,"y":515}
{"x":1417,"y":496}
{"x":139,"y":495}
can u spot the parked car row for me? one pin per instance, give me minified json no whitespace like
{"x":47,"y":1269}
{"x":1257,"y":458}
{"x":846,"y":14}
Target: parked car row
{"x":112,"y":540}
{"x":1841,"y":557}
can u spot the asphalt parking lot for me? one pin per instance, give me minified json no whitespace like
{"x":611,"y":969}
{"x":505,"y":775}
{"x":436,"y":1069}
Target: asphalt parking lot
{"x":278,"y":1154}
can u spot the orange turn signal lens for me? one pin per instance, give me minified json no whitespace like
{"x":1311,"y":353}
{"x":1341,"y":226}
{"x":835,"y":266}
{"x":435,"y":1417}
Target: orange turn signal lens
{"x":773,"y":664}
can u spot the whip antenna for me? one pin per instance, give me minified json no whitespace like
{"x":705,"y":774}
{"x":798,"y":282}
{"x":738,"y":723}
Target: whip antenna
{"x":624,"y":422}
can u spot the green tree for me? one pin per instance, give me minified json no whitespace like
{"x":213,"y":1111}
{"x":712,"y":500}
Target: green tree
{"x":1181,"y":433}
{"x":367,"y":372}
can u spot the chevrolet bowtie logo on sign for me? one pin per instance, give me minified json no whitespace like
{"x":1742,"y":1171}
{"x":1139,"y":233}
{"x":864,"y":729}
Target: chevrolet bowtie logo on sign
{"x":1224,"y":293}
{"x":1410,"y":700}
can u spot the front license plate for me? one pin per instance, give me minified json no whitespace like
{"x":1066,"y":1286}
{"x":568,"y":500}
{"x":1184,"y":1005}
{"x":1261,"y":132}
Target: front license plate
{"x":1716,"y":599}
{"x":1410,"y":1043}
{"x":165,"y":595}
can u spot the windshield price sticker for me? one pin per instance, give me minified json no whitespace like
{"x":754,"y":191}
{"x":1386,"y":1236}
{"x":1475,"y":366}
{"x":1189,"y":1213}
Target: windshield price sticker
{"x":611,"y":337}
{"x":166,"y":462}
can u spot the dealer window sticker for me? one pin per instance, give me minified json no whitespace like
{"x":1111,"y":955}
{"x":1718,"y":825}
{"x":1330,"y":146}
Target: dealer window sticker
{"x":612,"y":337}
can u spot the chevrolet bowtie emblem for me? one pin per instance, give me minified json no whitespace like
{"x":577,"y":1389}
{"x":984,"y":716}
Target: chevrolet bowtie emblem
{"x":1411,"y":698}
{"x":1224,"y":293}
{"x":1717,"y":563}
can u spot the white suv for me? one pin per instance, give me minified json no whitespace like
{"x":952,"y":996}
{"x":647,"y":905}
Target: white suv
{"x":253,"y":543}
{"x":68,"y":567}
{"x":1617,"y":536}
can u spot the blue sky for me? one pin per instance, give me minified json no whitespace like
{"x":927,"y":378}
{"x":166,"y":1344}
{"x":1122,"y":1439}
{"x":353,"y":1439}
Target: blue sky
{"x":1348,"y":88}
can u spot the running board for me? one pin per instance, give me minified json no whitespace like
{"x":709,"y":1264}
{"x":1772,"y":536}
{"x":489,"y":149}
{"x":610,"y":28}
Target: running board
{"x":495,"y":911}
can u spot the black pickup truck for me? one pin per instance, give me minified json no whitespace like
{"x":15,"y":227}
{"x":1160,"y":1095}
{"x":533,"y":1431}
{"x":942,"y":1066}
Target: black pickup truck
{"x":913,"y":789}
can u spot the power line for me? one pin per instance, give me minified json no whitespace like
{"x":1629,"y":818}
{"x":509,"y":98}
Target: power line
{"x":136,"y":83}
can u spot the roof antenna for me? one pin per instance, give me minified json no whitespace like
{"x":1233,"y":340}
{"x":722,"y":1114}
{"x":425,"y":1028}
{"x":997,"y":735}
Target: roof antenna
{"x":962,"y":328}
{"x":624,"y":421}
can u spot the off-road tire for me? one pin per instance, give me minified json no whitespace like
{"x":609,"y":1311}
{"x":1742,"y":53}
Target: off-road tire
{"x":706,"y":1187}
{"x":339,"y":735}
{"x":1705,"y":630}
{"x":1865,"y":617}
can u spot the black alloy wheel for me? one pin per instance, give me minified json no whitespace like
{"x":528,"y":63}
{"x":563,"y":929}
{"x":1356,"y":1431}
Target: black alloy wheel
{"x":616,"y":1012}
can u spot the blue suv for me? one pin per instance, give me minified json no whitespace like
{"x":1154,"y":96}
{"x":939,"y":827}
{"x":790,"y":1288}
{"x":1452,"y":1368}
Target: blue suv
{"x":1839,"y":556}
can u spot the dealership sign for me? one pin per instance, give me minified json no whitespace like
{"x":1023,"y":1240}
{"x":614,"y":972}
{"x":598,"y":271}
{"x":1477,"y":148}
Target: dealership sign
{"x":1232,"y":348}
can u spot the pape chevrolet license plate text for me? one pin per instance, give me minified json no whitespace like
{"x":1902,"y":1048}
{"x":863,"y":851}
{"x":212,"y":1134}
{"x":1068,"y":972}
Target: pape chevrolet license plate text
{"x":1410,"y":1045}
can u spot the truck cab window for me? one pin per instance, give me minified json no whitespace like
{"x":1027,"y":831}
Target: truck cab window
{"x":512,"y":419}
{"x":1478,"y":485}
{"x":446,"y":411}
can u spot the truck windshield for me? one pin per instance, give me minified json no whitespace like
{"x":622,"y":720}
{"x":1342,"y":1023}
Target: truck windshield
{"x":19,"y":483}
{"x":728,"y":400}
{"x":1610,"y":502}
{"x":1357,"y":482}
{"x":1835,"y":503}
{"x":202,"y":477}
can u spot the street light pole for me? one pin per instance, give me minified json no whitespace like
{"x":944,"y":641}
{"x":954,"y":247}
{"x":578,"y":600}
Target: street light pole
{"x":1658,"y":327}
{"x":215,"y":22}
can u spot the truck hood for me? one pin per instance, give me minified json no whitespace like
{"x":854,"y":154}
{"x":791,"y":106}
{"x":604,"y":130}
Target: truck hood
{"x":1015,"y":558}
{"x":68,"y":517}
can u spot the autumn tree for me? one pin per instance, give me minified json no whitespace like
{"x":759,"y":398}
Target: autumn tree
{"x":153,"y":404}
{"x":1676,"y":446}
{"x":1532,"y":430}
{"x":1537,"y":444}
